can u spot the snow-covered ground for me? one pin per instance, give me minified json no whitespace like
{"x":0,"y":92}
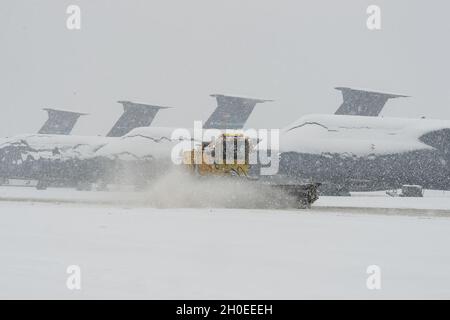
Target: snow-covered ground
{"x":434,"y":202}
{"x":132,"y":251}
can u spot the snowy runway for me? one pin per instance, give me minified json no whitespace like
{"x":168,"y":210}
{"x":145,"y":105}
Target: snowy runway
{"x":137,"y":252}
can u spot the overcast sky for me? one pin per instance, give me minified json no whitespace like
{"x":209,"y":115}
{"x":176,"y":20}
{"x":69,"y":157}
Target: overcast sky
{"x":176,"y":53}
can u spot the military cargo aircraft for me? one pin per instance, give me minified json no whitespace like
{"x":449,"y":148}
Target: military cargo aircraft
{"x":141,"y":154}
{"x":31,"y":156}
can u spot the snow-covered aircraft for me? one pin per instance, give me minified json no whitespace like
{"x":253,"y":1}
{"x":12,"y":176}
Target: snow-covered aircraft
{"x":30,"y":156}
{"x":73,"y":160}
{"x":142,"y":153}
{"x":353,"y":153}
{"x":343,"y":152}
{"x":146,"y":152}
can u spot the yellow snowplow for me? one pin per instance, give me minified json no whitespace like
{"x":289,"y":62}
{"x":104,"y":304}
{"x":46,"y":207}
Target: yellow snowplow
{"x":229,"y":155}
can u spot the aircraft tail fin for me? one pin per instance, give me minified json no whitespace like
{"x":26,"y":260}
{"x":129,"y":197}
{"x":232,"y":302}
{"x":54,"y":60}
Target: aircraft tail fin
{"x":360,"y":102}
{"x":60,"y":121}
{"x":231,"y":112}
{"x":135,"y":115}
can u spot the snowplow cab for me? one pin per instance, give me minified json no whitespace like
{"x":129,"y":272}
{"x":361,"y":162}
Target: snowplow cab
{"x":226,"y":155}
